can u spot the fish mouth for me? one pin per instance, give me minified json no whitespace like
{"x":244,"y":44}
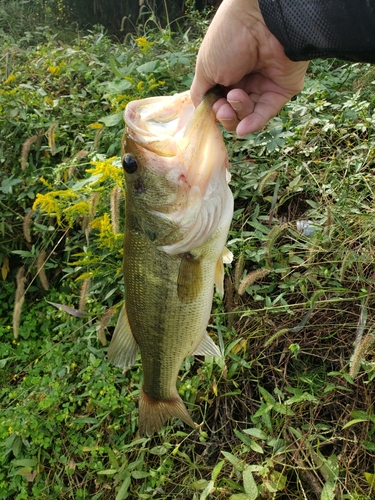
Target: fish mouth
{"x":154,"y":123}
{"x":169,"y":126}
{"x":195,"y":159}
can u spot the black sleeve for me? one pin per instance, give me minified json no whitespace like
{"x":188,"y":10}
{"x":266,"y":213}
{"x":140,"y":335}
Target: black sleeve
{"x":308,"y":29}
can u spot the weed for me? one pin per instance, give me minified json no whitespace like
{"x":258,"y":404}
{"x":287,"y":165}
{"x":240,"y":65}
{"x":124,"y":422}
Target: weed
{"x":288,"y":412}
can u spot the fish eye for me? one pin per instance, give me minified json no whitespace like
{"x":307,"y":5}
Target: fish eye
{"x":129,"y":164}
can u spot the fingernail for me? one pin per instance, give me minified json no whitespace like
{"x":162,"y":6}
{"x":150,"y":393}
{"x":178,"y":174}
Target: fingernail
{"x":236,"y":105}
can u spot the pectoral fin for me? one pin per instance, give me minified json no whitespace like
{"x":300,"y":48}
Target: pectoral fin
{"x":189,"y":281}
{"x":207,"y":347}
{"x":123,"y":349}
{"x":226,"y":257}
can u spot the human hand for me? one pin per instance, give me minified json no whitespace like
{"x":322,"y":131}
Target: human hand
{"x":241,"y":54}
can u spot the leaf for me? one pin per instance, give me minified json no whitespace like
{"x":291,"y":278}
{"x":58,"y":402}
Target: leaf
{"x":236,"y":462}
{"x":279,"y":480}
{"x":239,"y":496}
{"x":284,"y":410}
{"x":30,"y":477}
{"x":246,"y":440}
{"x":207,"y":491}
{"x":257,"y":433}
{"x":24,"y":471}
{"x":107,"y":472}
{"x":159,"y":450}
{"x":23,"y":253}
{"x":256,"y":447}
{"x":295,"y":182}
{"x":140,"y":474}
{"x":353,"y":422}
{"x":4,"y":361}
{"x":268,"y":398}
{"x":199,"y":485}
{"x":26,"y":462}
{"x":90,"y":180}
{"x":264,"y":408}
{"x":368,"y":445}
{"x":112,"y":120}
{"x":123,"y":491}
{"x":298,"y":398}
{"x":148,"y":67}
{"x":114,"y":68}
{"x":85,"y":420}
{"x":5,"y":268}
{"x":7,"y":185}
{"x":278,"y":445}
{"x":69,"y":310}
{"x":360,"y":414}
{"x":328,"y":491}
{"x":217,"y":469}
{"x":370,"y":478}
{"x":16,"y":448}
{"x":118,"y":87}
{"x":121,"y":72}
{"x":249,"y":484}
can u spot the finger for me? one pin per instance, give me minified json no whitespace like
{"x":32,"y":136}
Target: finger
{"x":200,"y":86}
{"x":243,"y":103}
{"x":268,"y":105}
{"x":230,"y":112}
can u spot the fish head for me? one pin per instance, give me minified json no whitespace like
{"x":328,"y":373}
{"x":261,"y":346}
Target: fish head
{"x":176,"y":169}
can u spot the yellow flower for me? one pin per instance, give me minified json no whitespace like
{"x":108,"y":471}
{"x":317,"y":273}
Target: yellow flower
{"x":107,"y":237}
{"x":144,"y":44}
{"x":140,"y":85}
{"x":10,"y":430}
{"x":46,"y":183}
{"x":10,"y":79}
{"x":153,"y":83}
{"x":107,"y":170}
{"x":95,"y":125}
{"x":78,"y":209}
{"x":50,"y":203}
{"x":56,"y":70}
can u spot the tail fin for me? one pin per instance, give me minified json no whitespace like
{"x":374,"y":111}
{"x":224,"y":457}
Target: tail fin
{"x":154,"y":412}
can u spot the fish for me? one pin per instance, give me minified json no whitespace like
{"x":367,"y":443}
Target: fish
{"x":178,"y":211}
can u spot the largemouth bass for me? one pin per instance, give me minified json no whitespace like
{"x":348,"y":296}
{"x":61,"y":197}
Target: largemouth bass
{"x":178,"y":212}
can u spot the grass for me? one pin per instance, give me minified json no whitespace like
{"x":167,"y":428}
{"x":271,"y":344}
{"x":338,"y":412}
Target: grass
{"x":290,"y":413}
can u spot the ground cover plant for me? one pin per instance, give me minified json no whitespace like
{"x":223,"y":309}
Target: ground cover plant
{"x":288,"y":413}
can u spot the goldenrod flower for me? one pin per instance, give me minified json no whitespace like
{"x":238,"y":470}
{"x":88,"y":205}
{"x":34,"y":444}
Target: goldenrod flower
{"x":107,"y":170}
{"x":10,"y":79}
{"x":144,"y":44}
{"x":96,"y":125}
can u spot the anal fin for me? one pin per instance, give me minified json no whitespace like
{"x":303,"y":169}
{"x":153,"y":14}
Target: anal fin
{"x":207,"y":347}
{"x":123,"y":349}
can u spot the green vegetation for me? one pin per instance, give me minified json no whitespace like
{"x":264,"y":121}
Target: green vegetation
{"x":290,"y":413}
